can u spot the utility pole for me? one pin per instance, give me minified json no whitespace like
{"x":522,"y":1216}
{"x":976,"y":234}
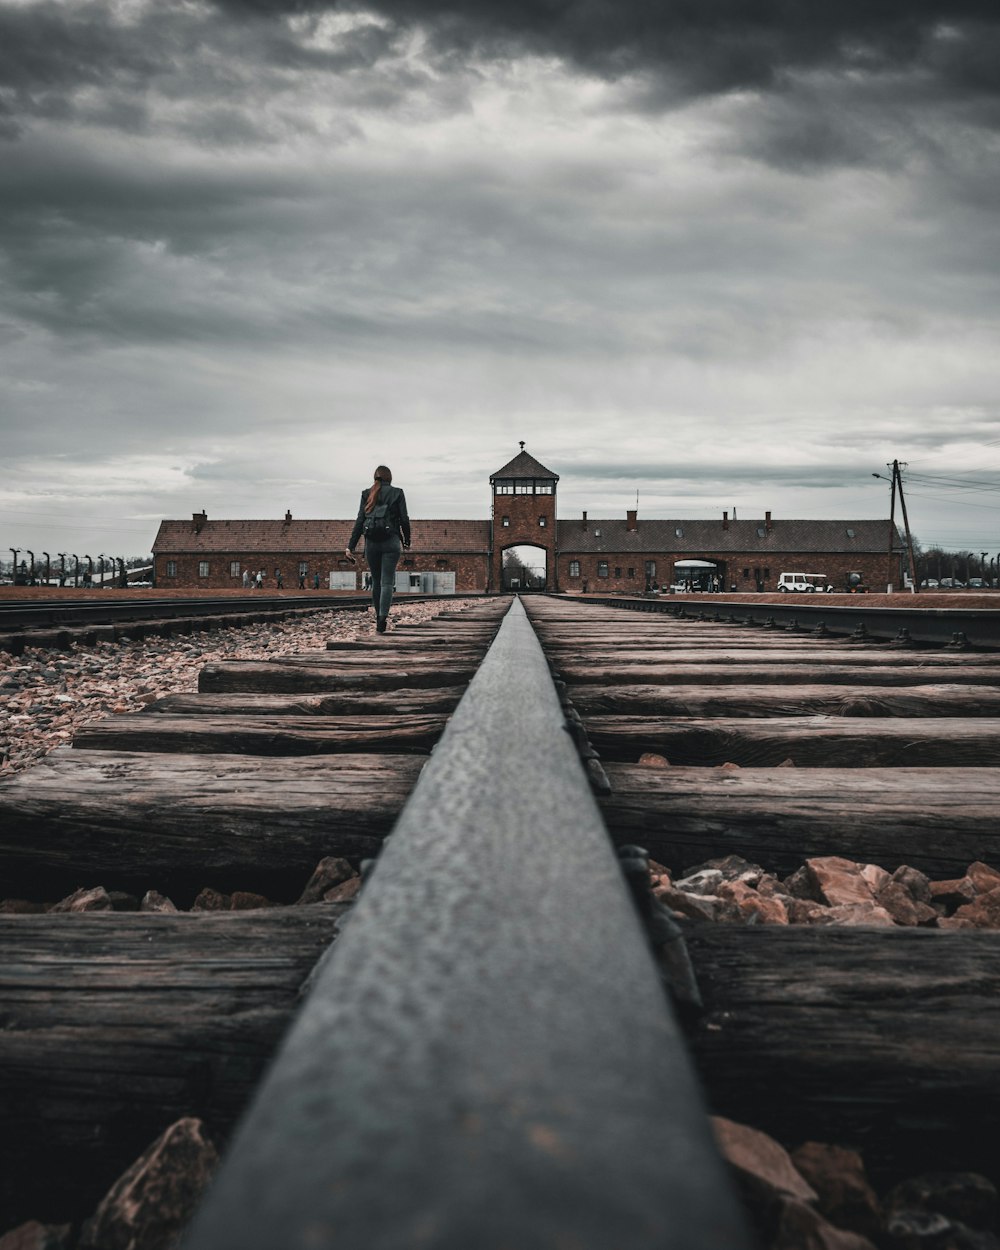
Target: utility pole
{"x":890,"y":574}
{"x":898,"y":479}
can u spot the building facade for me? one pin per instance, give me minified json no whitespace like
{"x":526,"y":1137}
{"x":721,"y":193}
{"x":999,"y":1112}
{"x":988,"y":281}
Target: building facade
{"x":585,"y":555}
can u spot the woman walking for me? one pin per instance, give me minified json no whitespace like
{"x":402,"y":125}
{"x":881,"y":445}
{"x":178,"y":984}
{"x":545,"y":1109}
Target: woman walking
{"x":383,"y":521}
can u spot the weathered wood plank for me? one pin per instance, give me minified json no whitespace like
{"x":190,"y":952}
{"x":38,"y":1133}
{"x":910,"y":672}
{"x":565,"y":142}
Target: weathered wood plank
{"x":112,"y":1026}
{"x":857,"y":656}
{"x":177,"y":822}
{"x":264,"y":735}
{"x":335,"y":703}
{"x":889,"y":816}
{"x":813,"y":741}
{"x":773,"y":700}
{"x":884,"y":1039}
{"x":276,"y":677}
{"x":905,"y":673}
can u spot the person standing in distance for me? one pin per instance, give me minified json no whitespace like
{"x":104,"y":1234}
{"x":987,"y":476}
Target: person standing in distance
{"x":383,"y":520}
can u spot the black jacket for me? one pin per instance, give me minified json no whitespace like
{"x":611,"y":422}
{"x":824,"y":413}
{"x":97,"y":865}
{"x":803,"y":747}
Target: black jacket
{"x":399,"y":521}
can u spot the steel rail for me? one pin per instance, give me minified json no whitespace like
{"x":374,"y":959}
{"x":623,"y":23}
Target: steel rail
{"x":487,"y":1057}
{"x":980,"y":627}
{"x":46,"y":613}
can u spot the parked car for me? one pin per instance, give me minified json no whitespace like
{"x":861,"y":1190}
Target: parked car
{"x":952,"y":583}
{"x":929,"y":583}
{"x":976,"y":583}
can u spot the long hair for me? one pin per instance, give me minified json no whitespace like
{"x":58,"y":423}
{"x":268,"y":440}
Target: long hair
{"x":382,"y":474}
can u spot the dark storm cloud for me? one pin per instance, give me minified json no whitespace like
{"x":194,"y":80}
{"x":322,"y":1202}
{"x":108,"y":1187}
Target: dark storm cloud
{"x":710,"y":46}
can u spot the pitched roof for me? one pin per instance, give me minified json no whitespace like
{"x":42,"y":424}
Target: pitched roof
{"x":524,"y":465}
{"x":689,"y":537}
{"x":304,"y":536}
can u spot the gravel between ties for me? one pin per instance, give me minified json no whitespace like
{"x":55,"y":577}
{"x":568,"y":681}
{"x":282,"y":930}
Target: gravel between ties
{"x":46,"y":695}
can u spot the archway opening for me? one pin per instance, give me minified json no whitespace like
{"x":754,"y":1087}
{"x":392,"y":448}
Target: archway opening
{"x":525,"y":567}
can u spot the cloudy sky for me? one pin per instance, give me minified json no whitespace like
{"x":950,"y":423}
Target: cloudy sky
{"x":725,"y":254}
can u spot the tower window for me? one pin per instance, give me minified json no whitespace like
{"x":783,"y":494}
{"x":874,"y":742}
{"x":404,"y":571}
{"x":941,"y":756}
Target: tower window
{"x":505,"y":521}
{"x":542,"y":522}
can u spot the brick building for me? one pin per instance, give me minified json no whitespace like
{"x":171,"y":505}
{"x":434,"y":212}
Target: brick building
{"x":616,"y":554}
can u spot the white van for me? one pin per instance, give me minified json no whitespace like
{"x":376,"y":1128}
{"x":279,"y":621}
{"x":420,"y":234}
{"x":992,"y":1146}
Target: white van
{"x":808,"y":583}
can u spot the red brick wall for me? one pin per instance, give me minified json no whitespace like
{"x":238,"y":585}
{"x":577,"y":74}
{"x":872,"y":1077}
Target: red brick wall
{"x":523,"y":513}
{"x":731,"y":567}
{"x":470,"y":569}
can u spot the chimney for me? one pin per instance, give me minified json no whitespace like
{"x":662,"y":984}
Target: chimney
{"x":288,"y":515}
{"x":767,"y":521}
{"x":631,"y":519}
{"x":725,"y":520}
{"x":198,"y":519}
{"x":585,"y":520}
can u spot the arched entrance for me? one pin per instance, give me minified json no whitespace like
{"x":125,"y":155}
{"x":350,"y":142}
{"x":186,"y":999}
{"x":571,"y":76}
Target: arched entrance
{"x":525,"y":567}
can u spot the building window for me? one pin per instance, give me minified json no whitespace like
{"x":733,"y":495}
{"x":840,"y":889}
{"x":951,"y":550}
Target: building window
{"x":631,"y":572}
{"x":504,"y":488}
{"x":678,"y":532}
{"x":524,"y":488}
{"x":602,"y":568}
{"x":544,"y":488}
{"x":505,"y":521}
{"x":850,"y":533}
{"x":746,"y":572}
{"x":651,"y":569}
{"x":618,"y":571}
{"x":303,"y":568}
{"x":574,"y":568}
{"x":171,"y":569}
{"x":441,"y":564}
{"x":761,"y":531}
{"x":234,"y":568}
{"x":542,"y":522}
{"x":202,"y":568}
{"x":767,"y":574}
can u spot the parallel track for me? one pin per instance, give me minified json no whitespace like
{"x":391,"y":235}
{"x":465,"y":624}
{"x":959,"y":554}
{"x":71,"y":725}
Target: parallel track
{"x":487,"y":1056}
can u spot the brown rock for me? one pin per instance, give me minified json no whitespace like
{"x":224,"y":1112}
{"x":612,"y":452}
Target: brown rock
{"x":649,"y":759}
{"x":861,"y":915}
{"x":754,"y":908}
{"x":35,"y":1236}
{"x":983,"y":911}
{"x":805,"y":911}
{"x":695,"y":906}
{"x":903,"y":908}
{"x":245,"y":900}
{"x":801,"y":885}
{"x":732,"y":867}
{"x":704,"y":881}
{"x":916,"y":883}
{"x":95,"y":899}
{"x":799,"y":1227}
{"x":154,"y":1199}
{"x":983,"y":877}
{"x":730,"y":767}
{"x":328,"y":872}
{"x":838,"y":881}
{"x":838,"y":1176}
{"x":764,"y":1168}
{"x":875,"y":877}
{"x":954,"y":922}
{"x":770,"y":887}
{"x":789,"y":763}
{"x":152,"y":900}
{"x":20,"y":907}
{"x":343,"y":893}
{"x":211,"y":900}
{"x":947,"y":895}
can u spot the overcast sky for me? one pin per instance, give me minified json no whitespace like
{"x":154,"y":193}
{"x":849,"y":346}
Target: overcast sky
{"x":727,"y":255}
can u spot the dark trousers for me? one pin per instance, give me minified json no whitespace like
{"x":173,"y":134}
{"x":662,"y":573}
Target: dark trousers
{"x":382,"y":558}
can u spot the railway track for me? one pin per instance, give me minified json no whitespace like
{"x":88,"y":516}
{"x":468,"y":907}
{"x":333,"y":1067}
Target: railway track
{"x":486,"y":1055}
